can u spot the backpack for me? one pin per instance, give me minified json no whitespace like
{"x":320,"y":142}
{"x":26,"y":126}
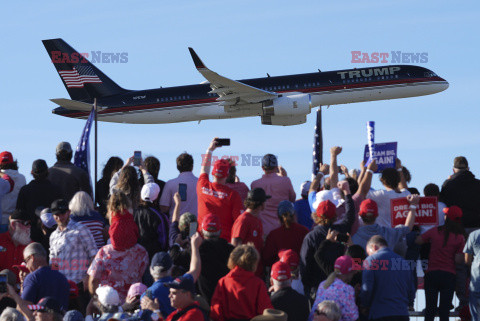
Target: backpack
{"x":162,"y":229}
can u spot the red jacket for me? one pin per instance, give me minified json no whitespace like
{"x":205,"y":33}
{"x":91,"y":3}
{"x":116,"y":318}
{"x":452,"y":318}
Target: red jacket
{"x":13,"y":255}
{"x":190,"y":313}
{"x":239,"y":295}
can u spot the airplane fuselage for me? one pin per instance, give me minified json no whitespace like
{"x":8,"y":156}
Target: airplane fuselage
{"x":194,"y":102}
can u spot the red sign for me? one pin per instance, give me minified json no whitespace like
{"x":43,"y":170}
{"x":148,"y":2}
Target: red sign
{"x":427,"y":211}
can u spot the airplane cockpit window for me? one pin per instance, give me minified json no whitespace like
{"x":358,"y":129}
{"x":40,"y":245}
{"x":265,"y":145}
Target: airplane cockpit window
{"x":429,"y":74}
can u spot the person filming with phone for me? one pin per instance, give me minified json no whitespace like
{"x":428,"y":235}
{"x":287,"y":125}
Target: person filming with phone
{"x":215,"y":197}
{"x":126,"y":179}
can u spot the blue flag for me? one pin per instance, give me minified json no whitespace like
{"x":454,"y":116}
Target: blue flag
{"x":317,"y":143}
{"x":82,"y":152}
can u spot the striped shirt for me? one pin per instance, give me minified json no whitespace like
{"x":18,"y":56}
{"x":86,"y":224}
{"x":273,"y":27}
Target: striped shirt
{"x":72,"y":250}
{"x":95,"y":223}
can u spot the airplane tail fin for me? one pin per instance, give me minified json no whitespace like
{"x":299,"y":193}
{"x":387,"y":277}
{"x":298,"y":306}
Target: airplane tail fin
{"x":82,"y":79}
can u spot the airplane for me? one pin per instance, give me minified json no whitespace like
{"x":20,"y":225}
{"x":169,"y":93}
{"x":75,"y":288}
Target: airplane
{"x":280,"y":100}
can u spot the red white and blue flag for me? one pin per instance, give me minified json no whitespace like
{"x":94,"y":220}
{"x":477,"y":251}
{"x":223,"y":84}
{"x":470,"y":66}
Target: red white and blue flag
{"x":79,"y":76}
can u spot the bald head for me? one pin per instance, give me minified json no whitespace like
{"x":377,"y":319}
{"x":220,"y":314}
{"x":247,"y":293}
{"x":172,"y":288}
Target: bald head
{"x":375,"y":244}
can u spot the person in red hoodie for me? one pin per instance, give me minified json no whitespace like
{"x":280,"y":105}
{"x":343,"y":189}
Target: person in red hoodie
{"x":240,"y":295}
{"x":123,"y":262}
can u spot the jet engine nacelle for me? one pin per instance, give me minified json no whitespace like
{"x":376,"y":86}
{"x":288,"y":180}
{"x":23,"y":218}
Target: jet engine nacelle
{"x":292,"y":105}
{"x":284,"y":120}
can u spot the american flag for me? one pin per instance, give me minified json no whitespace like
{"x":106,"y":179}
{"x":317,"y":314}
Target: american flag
{"x":78,"y":76}
{"x":317,"y":144}
{"x":82,"y":153}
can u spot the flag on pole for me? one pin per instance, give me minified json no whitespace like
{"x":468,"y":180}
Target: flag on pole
{"x":371,"y":140}
{"x":82,"y":152}
{"x":317,"y":144}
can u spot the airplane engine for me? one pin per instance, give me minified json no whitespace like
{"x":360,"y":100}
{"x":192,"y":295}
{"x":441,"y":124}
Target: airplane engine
{"x":284,"y":120}
{"x":293,"y":105}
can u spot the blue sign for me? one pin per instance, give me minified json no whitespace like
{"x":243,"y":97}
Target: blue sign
{"x":384,"y":153}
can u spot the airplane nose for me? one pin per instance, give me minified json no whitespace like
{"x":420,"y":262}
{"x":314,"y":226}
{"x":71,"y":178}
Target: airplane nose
{"x":445,"y":84}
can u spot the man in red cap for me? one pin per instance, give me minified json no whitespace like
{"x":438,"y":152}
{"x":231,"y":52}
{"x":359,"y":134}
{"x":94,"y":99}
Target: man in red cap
{"x":215,"y":197}
{"x":284,"y":297}
{"x":9,"y":166}
{"x":324,"y":218}
{"x":214,"y":253}
{"x":293,"y":260}
{"x":369,"y":213}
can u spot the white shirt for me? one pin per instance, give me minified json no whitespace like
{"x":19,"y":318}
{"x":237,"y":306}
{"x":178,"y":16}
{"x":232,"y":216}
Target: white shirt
{"x":382,"y":198}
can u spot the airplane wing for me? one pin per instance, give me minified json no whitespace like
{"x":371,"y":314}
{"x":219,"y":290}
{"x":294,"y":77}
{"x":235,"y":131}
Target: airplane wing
{"x":74,"y":104}
{"x":231,"y":92}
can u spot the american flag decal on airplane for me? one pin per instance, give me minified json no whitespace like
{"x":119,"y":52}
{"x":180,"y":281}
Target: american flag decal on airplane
{"x":79,"y":76}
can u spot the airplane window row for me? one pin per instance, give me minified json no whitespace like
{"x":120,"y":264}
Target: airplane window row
{"x":275,"y":88}
{"x":166,"y":99}
{"x":355,"y":80}
{"x":314,"y":84}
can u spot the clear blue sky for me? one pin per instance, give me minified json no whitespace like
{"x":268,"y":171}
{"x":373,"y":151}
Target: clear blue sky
{"x":247,"y":39}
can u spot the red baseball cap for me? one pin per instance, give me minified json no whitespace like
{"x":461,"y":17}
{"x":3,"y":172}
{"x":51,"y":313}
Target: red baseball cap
{"x":290,"y":257}
{"x":327,"y":210}
{"x":454,"y":212}
{"x":6,"y":158}
{"x":344,"y":264}
{"x":281,"y":271}
{"x":211,"y":223}
{"x":368,"y":208}
{"x":221,"y":168}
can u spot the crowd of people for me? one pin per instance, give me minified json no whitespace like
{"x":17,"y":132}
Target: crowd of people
{"x":211,"y":248}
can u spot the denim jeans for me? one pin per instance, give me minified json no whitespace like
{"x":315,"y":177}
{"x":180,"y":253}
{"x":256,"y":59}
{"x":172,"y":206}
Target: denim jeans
{"x":475,"y":305}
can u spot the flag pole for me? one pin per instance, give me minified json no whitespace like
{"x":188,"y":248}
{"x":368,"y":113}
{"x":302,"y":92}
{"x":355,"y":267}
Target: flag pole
{"x":96,"y":150}
{"x":317,"y":144}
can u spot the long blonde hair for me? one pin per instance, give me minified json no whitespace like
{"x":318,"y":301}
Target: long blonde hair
{"x":118,"y":203}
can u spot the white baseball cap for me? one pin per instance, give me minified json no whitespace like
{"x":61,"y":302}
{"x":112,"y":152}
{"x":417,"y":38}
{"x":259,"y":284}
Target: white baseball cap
{"x":107,"y":296}
{"x":150,"y":192}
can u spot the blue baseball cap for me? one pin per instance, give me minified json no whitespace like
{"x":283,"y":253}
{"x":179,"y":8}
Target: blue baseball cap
{"x":285,"y":207}
{"x":162,"y":259}
{"x":184,"y":282}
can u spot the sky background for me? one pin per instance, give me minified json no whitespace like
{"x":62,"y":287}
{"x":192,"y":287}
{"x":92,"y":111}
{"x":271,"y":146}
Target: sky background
{"x":246,"y":39}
